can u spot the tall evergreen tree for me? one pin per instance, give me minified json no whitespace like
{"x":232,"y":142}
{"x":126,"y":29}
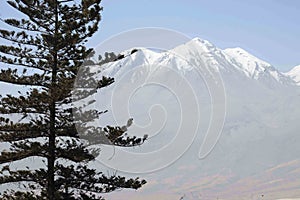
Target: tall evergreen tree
{"x":46,"y":52}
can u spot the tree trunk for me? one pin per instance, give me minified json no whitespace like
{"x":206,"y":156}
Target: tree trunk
{"x":51,"y":157}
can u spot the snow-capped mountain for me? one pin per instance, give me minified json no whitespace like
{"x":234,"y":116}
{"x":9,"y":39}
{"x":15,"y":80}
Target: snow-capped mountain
{"x":295,"y":74}
{"x":231,"y":60}
{"x":254,"y":67}
{"x":234,"y":111}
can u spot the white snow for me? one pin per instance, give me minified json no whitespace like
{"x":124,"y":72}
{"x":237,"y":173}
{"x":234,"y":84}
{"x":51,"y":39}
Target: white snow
{"x":251,"y":65}
{"x":203,"y":54}
{"x":295,"y":74}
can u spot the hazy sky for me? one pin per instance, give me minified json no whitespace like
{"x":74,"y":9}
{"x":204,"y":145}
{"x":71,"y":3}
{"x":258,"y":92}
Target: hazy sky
{"x":269,"y":29}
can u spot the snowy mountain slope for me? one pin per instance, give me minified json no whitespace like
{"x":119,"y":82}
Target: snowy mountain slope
{"x":294,"y":74}
{"x":254,"y":67}
{"x":251,"y":65}
{"x":260,"y":131}
{"x":198,"y":51}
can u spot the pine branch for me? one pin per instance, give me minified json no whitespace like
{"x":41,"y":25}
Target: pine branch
{"x":11,"y":76}
{"x":41,"y":65}
{"x":30,"y":151}
{"x":22,"y":24}
{"x":35,"y":102}
{"x":21,"y":52}
{"x":18,"y":195}
{"x":116,"y":136}
{"x":35,"y":15}
{"x":74,"y":152}
{"x":17,"y":132}
{"x":21,"y":38}
{"x":23,"y":176}
{"x":85,"y":179}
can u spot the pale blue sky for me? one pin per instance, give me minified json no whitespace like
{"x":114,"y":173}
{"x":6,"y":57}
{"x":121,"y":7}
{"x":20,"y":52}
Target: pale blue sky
{"x":269,"y":29}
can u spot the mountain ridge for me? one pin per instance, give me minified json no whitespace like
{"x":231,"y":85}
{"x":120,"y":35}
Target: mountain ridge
{"x":229,"y":59}
{"x":294,"y":74}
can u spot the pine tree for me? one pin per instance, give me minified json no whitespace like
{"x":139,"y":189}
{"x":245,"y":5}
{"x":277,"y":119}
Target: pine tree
{"x":45,"y":54}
